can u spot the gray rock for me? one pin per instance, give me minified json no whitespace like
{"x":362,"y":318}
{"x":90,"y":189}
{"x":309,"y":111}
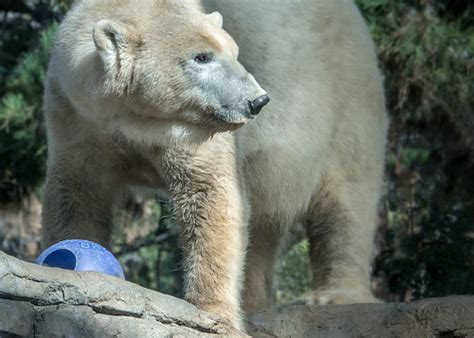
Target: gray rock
{"x":46,"y":302}
{"x":437,"y":317}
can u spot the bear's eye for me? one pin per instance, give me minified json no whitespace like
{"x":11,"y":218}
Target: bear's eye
{"x":203,"y":58}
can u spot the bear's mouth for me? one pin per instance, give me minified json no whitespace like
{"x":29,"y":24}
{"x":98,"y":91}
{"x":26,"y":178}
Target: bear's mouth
{"x":212,"y":118}
{"x":234,"y":118}
{"x":216,"y":123}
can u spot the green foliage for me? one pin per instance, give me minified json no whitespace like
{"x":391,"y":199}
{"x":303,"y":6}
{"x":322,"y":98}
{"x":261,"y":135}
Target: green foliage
{"x":433,"y":258}
{"x":293,"y":274}
{"x":22,"y":139}
{"x":429,"y":242}
{"x":21,"y":28}
{"x":426,"y":50}
{"x":26,"y":37}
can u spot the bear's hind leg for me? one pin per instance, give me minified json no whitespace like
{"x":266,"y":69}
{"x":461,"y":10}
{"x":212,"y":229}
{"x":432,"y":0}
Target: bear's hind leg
{"x":340,"y":226}
{"x":77,"y":204}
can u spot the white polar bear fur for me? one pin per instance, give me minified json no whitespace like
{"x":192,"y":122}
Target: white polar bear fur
{"x":314,"y":156}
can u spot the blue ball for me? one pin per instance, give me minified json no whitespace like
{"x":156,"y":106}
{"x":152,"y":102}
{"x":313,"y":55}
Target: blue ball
{"x":81,"y":255}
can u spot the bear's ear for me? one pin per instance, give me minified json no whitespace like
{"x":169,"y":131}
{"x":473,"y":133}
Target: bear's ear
{"x":112,"y":42}
{"x":216,"y":19}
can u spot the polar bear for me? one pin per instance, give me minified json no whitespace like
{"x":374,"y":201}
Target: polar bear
{"x":155,"y":95}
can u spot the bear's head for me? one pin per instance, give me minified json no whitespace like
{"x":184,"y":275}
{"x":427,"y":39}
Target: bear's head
{"x":165,"y":72}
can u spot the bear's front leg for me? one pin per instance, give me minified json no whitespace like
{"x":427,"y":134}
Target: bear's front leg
{"x":210,"y":207}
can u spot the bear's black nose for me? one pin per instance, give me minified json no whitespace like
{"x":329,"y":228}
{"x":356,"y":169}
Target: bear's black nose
{"x":257,"y":104}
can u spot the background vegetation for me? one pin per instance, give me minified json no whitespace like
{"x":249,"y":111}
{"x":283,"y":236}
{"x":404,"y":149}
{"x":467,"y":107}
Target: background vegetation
{"x":426,"y":237}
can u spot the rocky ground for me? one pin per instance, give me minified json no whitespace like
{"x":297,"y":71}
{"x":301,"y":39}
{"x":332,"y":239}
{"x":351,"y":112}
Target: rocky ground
{"x":46,"y":302}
